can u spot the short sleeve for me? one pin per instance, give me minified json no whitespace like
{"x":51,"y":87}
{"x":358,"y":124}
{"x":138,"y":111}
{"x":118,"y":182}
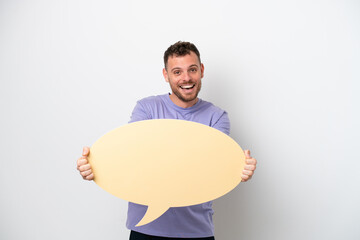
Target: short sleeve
{"x":139,"y":113}
{"x":223,"y":123}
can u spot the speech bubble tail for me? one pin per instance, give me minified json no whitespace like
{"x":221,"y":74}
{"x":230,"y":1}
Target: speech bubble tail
{"x":152,"y":213}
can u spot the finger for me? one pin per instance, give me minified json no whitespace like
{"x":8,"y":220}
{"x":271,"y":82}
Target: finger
{"x":251,"y":161}
{"x":86,"y":173}
{"x":90,"y":177}
{"x":84,"y":167}
{"x":247,"y":172}
{"x":250,"y":167}
{"x":81,"y":161}
{"x":247,"y":154}
{"x":86,"y":151}
{"x":244,"y":178}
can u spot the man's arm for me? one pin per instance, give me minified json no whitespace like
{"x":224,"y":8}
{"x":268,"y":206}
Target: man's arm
{"x":83,"y":166}
{"x":223,"y":124}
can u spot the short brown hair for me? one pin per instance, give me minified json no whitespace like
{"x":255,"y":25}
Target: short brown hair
{"x":180,"y":49}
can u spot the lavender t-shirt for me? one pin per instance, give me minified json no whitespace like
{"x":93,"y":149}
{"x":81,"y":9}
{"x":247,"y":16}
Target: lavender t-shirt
{"x":182,"y":222}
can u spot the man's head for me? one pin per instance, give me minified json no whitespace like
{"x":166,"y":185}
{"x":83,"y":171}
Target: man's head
{"x":183,"y":71}
{"x":180,"y":49}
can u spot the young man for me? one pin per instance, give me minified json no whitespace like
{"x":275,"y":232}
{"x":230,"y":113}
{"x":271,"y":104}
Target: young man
{"x":183,"y":71}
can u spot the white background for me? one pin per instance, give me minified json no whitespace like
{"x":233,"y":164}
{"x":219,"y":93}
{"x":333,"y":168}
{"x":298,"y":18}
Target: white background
{"x":287,"y":72}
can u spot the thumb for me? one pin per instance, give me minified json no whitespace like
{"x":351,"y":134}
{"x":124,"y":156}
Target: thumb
{"x":86,"y":151}
{"x":247,"y":154}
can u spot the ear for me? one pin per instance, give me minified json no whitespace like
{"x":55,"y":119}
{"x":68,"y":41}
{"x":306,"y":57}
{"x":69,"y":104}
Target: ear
{"x":202,"y":70}
{"x":165,"y":75}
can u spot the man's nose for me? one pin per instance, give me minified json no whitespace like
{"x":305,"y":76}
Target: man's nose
{"x":186,"y":76}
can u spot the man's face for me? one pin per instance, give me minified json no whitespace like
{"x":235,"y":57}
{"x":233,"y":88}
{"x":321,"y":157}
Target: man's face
{"x":184,"y":74}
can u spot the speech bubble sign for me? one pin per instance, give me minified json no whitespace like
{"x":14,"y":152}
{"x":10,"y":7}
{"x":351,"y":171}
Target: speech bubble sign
{"x":166,"y":163}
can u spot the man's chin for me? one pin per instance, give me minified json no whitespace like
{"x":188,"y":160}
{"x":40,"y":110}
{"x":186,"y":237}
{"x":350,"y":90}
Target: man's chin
{"x":187,"y":98}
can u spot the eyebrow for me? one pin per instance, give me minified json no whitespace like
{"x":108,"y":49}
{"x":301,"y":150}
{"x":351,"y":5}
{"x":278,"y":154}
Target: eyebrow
{"x":193,"y":65}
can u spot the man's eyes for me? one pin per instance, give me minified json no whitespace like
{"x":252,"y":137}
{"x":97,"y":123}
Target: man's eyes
{"x":193,"y":70}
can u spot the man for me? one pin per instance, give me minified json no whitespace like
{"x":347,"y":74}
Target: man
{"x":183,"y":71}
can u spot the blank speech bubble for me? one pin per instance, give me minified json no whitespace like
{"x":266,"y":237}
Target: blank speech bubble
{"x":166,"y":163}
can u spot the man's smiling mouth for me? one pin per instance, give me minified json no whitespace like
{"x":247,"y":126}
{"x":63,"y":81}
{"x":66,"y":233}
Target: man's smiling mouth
{"x":189,"y":86}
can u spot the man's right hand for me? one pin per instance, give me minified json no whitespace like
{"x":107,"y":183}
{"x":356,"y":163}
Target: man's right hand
{"x":83,"y":165}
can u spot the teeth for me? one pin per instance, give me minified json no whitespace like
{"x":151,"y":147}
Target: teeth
{"x":187,"y":86}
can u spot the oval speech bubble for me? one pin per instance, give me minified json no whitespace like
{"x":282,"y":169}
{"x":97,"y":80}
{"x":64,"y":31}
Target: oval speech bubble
{"x":166,"y":163}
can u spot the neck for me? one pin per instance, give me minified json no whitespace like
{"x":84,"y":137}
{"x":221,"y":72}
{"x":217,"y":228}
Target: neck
{"x":181,"y":103}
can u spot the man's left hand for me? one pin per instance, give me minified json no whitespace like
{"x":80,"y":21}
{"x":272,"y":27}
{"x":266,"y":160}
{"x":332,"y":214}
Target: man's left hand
{"x":250,"y":166}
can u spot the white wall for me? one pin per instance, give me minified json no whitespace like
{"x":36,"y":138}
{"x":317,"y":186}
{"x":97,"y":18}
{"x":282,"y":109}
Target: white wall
{"x":287,"y":72}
